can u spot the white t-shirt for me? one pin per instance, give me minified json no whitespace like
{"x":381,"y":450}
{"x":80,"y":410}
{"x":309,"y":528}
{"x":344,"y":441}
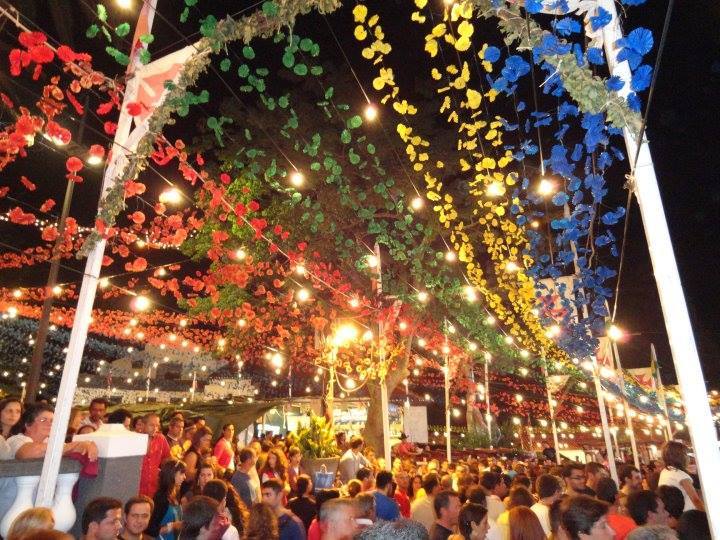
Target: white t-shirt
{"x":542,"y":511}
{"x":495,"y":507}
{"x":670,"y":476}
{"x":16,"y":442}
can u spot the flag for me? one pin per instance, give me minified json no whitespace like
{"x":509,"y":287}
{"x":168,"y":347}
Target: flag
{"x":604,"y":353}
{"x":644,"y":377}
{"x":557,"y":299}
{"x":142,"y":28}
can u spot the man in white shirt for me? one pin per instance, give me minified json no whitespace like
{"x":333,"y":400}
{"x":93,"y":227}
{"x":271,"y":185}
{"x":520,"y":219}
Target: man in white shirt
{"x":98,"y":408}
{"x":549,"y":489}
{"x":423,"y":510}
{"x":496,"y":491}
{"x":352,"y":460}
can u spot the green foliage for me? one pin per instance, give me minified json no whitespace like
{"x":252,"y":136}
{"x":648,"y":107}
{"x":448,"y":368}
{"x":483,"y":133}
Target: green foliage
{"x":122,"y":30}
{"x":471,"y":439}
{"x":317,"y":440}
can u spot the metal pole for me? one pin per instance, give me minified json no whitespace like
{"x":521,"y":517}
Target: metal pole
{"x":446,"y":370}
{"x":660,"y":391}
{"x":626,"y":408}
{"x":672,"y":298}
{"x":604,"y":422}
{"x":552,"y":410}
{"x":488,"y":415}
{"x":384,"y":398}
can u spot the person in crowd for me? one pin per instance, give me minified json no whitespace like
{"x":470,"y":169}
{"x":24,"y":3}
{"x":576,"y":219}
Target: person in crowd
{"x":472,"y":522}
{"x":630,"y":481}
{"x":607,"y":491}
{"x":594,"y":471}
{"x":549,"y":452}
{"x":138,"y":424}
{"x":200,"y":518}
{"x":224,"y":451}
{"x":447,"y":509}
{"x":294,"y":469}
{"x":10,"y":413}
{"x":76,"y":417}
{"x":30,"y":435}
{"x":274,"y":467}
{"x":415,"y":488}
{"x":353,"y":488}
{"x":548,"y":489}
{"x":84,"y":430}
{"x":241,"y":480}
{"x":366,"y":477}
{"x":524,"y":525}
{"x":31,"y":520}
{"x":674,"y":502}
{"x":406,"y":449}
{"x":321,"y":497}
{"x":402,"y":484}
{"x":337,"y":520}
{"x":495,"y":492}
{"x":674,"y":455}
{"x":693,"y":525}
{"x":303,"y":505}
{"x":573,"y":474}
{"x":519,"y":496}
{"x":653,"y":475}
{"x":158,"y":451}
{"x":206,"y":472}
{"x":352,"y":460}
{"x":423,"y":510}
{"x":261,"y":451}
{"x":585,"y":518}
{"x":262,"y":523}
{"x":120,"y":416}
{"x":102,"y":519}
{"x":556,"y":530}
{"x":218,"y":490}
{"x":366,"y":509}
{"x":646,"y":508}
{"x":167,"y":514}
{"x":652,"y":532}
{"x":385,"y":506}
{"x":291,"y":527}
{"x":401,"y":529}
{"x":198,"y":451}
{"x":174,"y":437}
{"x":98,"y":410}
{"x":137,"y":512}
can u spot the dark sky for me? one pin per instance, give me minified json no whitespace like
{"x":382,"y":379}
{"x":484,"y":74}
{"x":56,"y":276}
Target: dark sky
{"x":683,"y":130}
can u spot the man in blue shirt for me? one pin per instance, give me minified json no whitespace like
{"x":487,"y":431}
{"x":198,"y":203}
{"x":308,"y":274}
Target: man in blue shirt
{"x":385,"y":507}
{"x":291,"y":527}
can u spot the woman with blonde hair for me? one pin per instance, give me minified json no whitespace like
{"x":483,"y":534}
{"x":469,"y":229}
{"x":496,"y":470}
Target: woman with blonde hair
{"x":262,"y":523}
{"x":31,"y":520}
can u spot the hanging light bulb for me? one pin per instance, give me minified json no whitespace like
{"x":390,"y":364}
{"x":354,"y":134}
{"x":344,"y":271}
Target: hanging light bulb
{"x":171,"y":196}
{"x":297,"y":179}
{"x":277,"y":360}
{"x":300,"y":270}
{"x":511,"y":266}
{"x":240,"y":254}
{"x":354,"y":302}
{"x":141,"y":303}
{"x":417,"y":203}
{"x":422,"y":296}
{"x":57,"y":290}
{"x":303,"y":295}
{"x":490,"y":320}
{"x":372,"y":261}
{"x":472,"y":346}
{"x":470,"y":293}
{"x":615,"y":333}
{"x":124,"y":4}
{"x":545,"y":187}
{"x":371,"y":112}
{"x":450,"y":256}
{"x":495,"y":189}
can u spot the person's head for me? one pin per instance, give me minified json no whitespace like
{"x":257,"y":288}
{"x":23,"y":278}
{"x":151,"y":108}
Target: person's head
{"x":652,"y":532}
{"x":416,"y":483}
{"x":216,"y":489}
{"x":98,"y":408}
{"x":573,"y":474}
{"x":176,"y":427}
{"x":205,"y":473}
{"x":272,"y":493}
{"x":120,"y":416}
{"x":693,"y":525}
{"x":674,"y":454}
{"x":674,"y":501}
{"x":172,"y":475}
{"x":36,"y":421}
{"x":493,"y":484}
{"x":585,"y":518}
{"x":548,"y":488}
{"x":524,"y":524}
{"x":262,"y":523}
{"x":198,"y":421}
{"x":246,"y":459}
{"x":337,"y":519}
{"x":84,"y":430}
{"x":30,"y":520}
{"x":197,"y":517}
{"x":10,"y":412}
{"x":594,"y":471}
{"x":521,"y":480}
{"x":384,"y":482}
{"x":472,"y":521}
{"x":431,"y":484}
{"x":646,"y":508}
{"x":554,"y":515}
{"x":400,"y":529}
{"x":202,"y":439}
{"x":137,"y":424}
{"x":630,"y":478}
{"x":294,"y":456}
{"x":353,"y":488}
{"x":102,"y":519}
{"x":606,"y":490}
{"x":402,"y":479}
{"x":323,"y":495}
{"x":366,"y":478}
{"x":137,"y":512}
{"x":152,"y":424}
{"x":447,"y":507}
{"x":304,"y":485}
{"x":365,"y":505}
{"x":356,"y":444}
{"x":520,"y":496}
{"x":228,"y":432}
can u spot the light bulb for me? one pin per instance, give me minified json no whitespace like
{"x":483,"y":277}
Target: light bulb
{"x":615,"y":333}
{"x":303,"y":295}
{"x":417,"y":203}
{"x":495,"y":189}
{"x":297,"y":178}
{"x":240,"y":254}
{"x":450,"y":256}
{"x":422,"y":296}
{"x":141,"y":303}
{"x":371,"y":112}
{"x":372,"y":261}
{"x":171,"y":196}
{"x":545,"y":187}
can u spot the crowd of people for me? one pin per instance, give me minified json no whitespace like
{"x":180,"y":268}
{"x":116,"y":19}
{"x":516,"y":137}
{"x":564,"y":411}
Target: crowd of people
{"x":196,"y":484}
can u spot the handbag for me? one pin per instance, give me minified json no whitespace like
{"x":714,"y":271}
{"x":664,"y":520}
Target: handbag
{"x":323,"y":479}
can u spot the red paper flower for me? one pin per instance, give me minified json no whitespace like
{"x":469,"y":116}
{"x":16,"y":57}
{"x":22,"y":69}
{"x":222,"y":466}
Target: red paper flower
{"x":134,"y":109}
{"x":74,"y":164}
{"x":27,"y":183}
{"x":137,"y":217}
{"x":97,"y":150}
{"x":133,"y":188}
{"x":16,"y":215}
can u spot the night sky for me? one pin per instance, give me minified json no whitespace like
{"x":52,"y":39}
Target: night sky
{"x":683,"y":132}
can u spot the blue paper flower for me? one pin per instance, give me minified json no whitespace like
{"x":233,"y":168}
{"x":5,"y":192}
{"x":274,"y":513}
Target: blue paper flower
{"x":567,"y":26}
{"x":600,"y":20}
{"x":615,"y":83}
{"x":641,"y":78}
{"x":595,"y":56}
{"x":634,"y":46}
{"x":533,"y":6}
{"x":515,"y":67}
{"x":634,"y":102}
{"x":491,"y":54}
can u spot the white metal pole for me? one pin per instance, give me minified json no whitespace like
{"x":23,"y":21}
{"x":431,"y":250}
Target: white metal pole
{"x":123,"y":144}
{"x":447,"y":407}
{"x":660,"y":392}
{"x":384,"y":398}
{"x":488,"y":415}
{"x":604,"y":421}
{"x":626,"y":407}
{"x":672,"y":298}
{"x":552,"y":410}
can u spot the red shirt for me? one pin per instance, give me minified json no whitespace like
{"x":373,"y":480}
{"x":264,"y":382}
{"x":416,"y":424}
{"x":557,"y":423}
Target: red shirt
{"x":403,"y":502}
{"x":158,"y":451}
{"x":622,"y":525}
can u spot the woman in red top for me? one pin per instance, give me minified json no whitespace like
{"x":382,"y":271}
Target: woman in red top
{"x":224,"y":451}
